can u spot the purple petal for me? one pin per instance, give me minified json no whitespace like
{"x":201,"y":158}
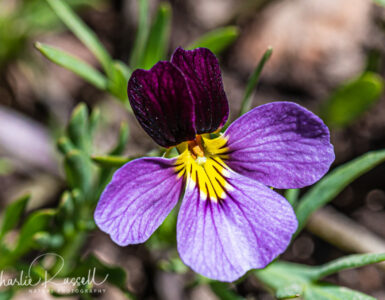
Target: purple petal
{"x":246,"y":230}
{"x":201,"y":69}
{"x":162,"y":104}
{"x":138,"y":199}
{"x":280,"y":144}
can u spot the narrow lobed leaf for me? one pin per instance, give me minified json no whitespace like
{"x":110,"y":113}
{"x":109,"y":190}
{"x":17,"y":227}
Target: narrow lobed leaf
{"x":117,"y":86}
{"x":78,"y":130}
{"x":141,"y":35}
{"x":253,"y":81}
{"x":332,"y":292}
{"x":66,"y":205}
{"x":289,"y":291}
{"x":158,"y":39}
{"x":290,"y":280}
{"x":124,"y":132}
{"x":83,"y":32}
{"x":78,"y":169}
{"x":94,"y":121}
{"x":332,"y":184}
{"x":347,"y":262}
{"x":64,"y":145}
{"x":73,"y":64}
{"x":280,"y":274}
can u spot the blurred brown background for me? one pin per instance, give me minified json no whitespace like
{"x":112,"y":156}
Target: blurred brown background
{"x":318,"y":45}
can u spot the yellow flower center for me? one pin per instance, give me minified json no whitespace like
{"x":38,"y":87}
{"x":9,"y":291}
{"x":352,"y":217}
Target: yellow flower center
{"x":201,"y":162}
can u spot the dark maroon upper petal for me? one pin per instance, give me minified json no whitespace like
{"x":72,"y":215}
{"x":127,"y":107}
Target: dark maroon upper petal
{"x":201,"y":70}
{"x":162,"y":104}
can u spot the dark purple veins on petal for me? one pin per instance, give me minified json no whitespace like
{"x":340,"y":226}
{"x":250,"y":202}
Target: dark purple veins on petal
{"x":162,"y":104}
{"x":201,"y":70}
{"x":280,"y":144}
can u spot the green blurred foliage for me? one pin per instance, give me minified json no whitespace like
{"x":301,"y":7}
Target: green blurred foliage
{"x":352,"y":99}
{"x":290,"y":280}
{"x":64,"y":229}
{"x":333,"y":183}
{"x":158,"y":39}
{"x":22,"y":20}
{"x":217,"y":40}
{"x":253,"y":81}
{"x":150,"y":46}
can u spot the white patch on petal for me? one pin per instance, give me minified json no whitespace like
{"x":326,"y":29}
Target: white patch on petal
{"x":200,"y":160}
{"x":203,"y":195}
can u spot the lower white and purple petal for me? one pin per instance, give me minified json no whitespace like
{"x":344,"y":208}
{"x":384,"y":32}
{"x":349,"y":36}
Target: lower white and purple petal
{"x":247,"y":229}
{"x":280,"y":144}
{"x":137,"y":200}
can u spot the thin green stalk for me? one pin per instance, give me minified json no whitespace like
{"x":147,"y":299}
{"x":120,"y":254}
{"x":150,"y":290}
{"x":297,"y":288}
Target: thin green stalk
{"x":253,"y":80}
{"x":142,"y":34}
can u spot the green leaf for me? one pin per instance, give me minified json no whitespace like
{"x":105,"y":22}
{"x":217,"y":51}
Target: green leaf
{"x":159,"y":37}
{"x":111,"y":160}
{"x":290,"y":291}
{"x":253,"y":80}
{"x":78,"y":169}
{"x":222,"y":291}
{"x":124,"y":132}
{"x":281,"y":274}
{"x":291,"y":280}
{"x":66,"y":205}
{"x":36,"y":222}
{"x":347,"y":262}
{"x":123,"y":68}
{"x":217,"y":40}
{"x":352,"y":99}
{"x":78,"y":130}
{"x":74,"y":64}
{"x":333,"y":183}
{"x":94,"y":120}
{"x":141,"y":35}
{"x":333,"y":292}
{"x":83,"y":33}
{"x":117,"y":86}
{"x":64,"y":145}
{"x":165,"y":235}
{"x":291,"y":196}
{"x":12,"y":214}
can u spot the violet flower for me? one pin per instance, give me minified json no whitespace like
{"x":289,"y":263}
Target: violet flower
{"x":230,"y":221}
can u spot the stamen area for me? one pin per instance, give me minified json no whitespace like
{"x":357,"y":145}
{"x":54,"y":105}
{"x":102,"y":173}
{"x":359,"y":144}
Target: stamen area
{"x":202,"y":164}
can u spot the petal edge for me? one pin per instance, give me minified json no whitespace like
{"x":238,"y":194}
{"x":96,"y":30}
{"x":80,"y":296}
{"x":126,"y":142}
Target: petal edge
{"x":137,"y":200}
{"x":280,"y":144}
{"x":162,"y":104}
{"x":224,"y":240}
{"x":203,"y":75}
